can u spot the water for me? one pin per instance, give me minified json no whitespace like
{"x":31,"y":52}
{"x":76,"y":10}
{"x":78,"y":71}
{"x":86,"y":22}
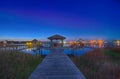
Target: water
{"x":68,"y":51}
{"x":77,"y":52}
{"x":34,"y":51}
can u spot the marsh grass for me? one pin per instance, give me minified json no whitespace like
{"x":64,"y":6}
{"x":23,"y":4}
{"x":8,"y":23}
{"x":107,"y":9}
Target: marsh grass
{"x":99,"y":64}
{"x":17,"y":65}
{"x":113,"y":54}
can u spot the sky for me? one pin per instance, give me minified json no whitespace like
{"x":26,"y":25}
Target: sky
{"x":74,"y":19}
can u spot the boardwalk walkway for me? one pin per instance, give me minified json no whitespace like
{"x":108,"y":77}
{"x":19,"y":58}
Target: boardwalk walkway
{"x":57,"y":65}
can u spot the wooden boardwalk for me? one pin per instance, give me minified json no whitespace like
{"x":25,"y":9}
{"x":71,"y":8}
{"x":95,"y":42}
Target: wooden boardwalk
{"x":57,"y":65}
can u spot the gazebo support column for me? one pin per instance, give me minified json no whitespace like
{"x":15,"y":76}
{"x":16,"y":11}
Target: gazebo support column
{"x":51,"y":43}
{"x":62,"y":43}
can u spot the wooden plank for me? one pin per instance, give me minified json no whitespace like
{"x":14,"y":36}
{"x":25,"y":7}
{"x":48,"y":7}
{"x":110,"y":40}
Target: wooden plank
{"x":57,"y":65}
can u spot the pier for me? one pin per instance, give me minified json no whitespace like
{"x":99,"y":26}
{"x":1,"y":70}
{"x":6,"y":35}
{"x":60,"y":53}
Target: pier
{"x":57,"y":65}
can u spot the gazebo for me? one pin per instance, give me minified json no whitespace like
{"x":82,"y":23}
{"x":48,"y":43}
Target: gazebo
{"x":56,"y":37}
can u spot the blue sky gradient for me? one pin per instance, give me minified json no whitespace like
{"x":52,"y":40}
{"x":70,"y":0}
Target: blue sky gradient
{"x":87,"y":19}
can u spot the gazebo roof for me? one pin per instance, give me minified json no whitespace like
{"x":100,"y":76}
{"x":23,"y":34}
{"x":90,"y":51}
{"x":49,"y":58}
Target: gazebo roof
{"x":35,"y":40}
{"x":56,"y":37}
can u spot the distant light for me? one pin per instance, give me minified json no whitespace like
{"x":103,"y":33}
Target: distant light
{"x":60,"y":42}
{"x":100,"y":43}
{"x":64,"y":42}
{"x":118,"y":43}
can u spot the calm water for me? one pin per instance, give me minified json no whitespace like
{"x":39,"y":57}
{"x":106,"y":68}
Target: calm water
{"x":34,"y":51}
{"x":77,"y":52}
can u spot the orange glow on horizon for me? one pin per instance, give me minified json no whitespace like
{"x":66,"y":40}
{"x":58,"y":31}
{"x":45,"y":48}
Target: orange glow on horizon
{"x":92,"y":43}
{"x":100,"y":43}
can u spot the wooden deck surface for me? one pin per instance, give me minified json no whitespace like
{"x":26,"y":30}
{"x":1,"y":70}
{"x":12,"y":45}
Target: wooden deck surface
{"x":57,"y":65}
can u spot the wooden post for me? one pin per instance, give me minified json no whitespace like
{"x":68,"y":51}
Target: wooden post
{"x":0,"y":47}
{"x":51,"y":43}
{"x":13,"y":47}
{"x":9,"y":47}
{"x":62,"y":43}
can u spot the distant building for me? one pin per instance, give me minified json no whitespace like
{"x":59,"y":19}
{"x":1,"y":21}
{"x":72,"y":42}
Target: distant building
{"x":116,"y":42}
{"x":109,"y":44}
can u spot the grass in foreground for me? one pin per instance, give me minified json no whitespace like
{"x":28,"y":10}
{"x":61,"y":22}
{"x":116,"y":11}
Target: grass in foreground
{"x":100,"y":64}
{"x":113,"y":54}
{"x":17,"y":65}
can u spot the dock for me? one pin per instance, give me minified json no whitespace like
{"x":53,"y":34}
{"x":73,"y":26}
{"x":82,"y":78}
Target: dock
{"x":57,"y":65}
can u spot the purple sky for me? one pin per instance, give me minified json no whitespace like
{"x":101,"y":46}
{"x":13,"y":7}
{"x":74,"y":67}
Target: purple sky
{"x":23,"y":19}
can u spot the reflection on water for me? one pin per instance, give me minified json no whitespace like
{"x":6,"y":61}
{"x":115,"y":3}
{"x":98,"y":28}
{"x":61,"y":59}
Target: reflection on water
{"x":35,"y":51}
{"x":29,"y":49}
{"x":75,"y":52}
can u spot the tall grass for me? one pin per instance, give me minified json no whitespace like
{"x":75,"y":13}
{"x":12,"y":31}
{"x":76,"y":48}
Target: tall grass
{"x":17,"y":65}
{"x":99,"y":65}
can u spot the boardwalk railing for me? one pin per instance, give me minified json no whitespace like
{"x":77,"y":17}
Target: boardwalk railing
{"x":12,"y":47}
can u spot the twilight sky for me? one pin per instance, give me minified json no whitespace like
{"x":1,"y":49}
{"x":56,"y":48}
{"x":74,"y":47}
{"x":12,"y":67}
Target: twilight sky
{"x":87,"y":19}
